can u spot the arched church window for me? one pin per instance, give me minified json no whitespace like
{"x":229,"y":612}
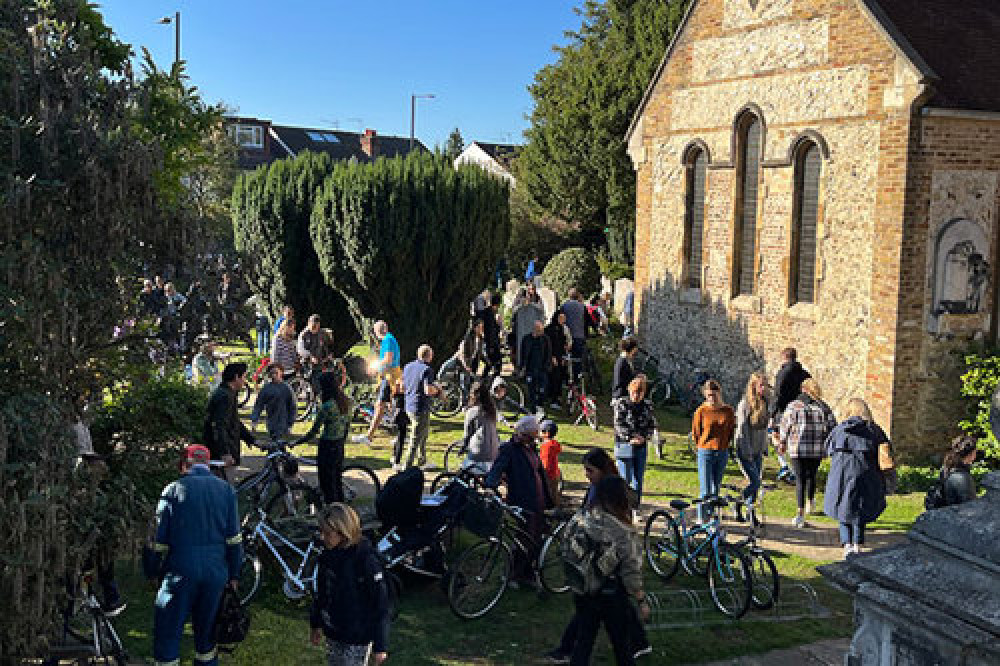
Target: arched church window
{"x":694,"y":215}
{"x":749,"y":132}
{"x":802,"y":273}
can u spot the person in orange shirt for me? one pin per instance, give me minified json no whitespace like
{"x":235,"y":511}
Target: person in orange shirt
{"x":712,"y":428}
{"x":550,"y":451}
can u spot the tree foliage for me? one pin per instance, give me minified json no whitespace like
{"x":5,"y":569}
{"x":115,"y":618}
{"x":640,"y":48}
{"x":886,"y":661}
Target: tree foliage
{"x":573,"y":267}
{"x":455,"y":145}
{"x":411,"y":241}
{"x":271,"y":211}
{"x":575,"y":164}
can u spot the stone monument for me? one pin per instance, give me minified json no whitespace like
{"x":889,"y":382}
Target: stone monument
{"x":934,"y":600}
{"x":623,"y":287}
{"x":548,"y":298}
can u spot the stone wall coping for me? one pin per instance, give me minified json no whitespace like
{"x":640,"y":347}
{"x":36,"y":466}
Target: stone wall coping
{"x":746,"y":303}
{"x":803,"y":311}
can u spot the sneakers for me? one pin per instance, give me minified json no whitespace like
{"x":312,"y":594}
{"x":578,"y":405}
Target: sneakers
{"x":810,"y":507}
{"x":556,"y":656}
{"x":361,"y":439}
{"x":643,"y":651}
{"x":848,"y":550}
{"x":799,"y":521}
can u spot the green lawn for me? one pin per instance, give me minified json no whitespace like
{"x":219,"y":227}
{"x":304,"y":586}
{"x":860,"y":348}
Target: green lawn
{"x":525,"y":625}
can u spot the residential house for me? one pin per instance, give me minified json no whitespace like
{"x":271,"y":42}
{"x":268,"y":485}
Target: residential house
{"x":494,"y":157}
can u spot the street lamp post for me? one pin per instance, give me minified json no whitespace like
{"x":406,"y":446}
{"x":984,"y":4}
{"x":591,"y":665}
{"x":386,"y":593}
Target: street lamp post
{"x":176,"y":20}
{"x":413,"y":115}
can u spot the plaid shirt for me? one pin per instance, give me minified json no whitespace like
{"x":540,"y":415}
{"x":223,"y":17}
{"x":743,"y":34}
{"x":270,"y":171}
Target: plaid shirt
{"x":805,"y":426}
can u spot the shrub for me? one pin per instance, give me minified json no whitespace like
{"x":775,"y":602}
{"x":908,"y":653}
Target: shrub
{"x":411,"y":241}
{"x":979,"y":382}
{"x":614,"y":270}
{"x":573,"y":267}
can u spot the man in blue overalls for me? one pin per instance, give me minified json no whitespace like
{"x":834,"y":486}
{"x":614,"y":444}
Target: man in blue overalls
{"x":199,"y":549}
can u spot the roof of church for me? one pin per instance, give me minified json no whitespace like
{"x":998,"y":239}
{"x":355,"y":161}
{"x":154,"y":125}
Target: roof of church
{"x":958,"y":40}
{"x":952,"y":42}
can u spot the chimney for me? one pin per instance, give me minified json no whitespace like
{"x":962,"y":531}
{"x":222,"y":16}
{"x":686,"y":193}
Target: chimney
{"x":368,"y":144}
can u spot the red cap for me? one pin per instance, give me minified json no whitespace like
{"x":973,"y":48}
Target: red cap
{"x":196,"y":453}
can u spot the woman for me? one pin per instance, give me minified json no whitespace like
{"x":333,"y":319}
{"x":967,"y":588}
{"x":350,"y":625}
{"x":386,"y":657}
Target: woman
{"x":712,"y":428}
{"x":624,"y":368}
{"x":609,"y":523}
{"x":959,"y":486}
{"x":283,"y":347}
{"x":560,"y":341}
{"x":331,"y":424}
{"x":751,"y":431}
{"x":855,"y":494}
{"x":634,"y":426}
{"x":481,"y":440}
{"x":597,"y":464}
{"x":805,"y":425}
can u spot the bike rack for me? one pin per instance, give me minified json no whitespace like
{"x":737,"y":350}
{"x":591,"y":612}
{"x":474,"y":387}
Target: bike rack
{"x":687,"y":608}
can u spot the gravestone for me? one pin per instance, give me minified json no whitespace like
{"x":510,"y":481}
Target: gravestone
{"x":512,"y":286}
{"x":934,"y":599}
{"x":606,"y":286}
{"x":548,"y":298}
{"x":623,"y":287}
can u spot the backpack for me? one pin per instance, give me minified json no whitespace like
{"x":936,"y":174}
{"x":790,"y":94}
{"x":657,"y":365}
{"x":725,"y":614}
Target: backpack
{"x":937,"y":496}
{"x":589,"y":563}
{"x":232,"y":624}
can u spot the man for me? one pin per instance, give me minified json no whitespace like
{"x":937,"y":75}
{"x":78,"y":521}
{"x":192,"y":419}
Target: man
{"x":277,"y":399}
{"x":223,"y":428}
{"x":491,"y":335}
{"x":534,"y":358}
{"x":196,"y":551}
{"x":576,"y":320}
{"x":418,"y":387}
{"x":532,"y":273}
{"x":526,"y":314}
{"x":387,"y":366}
{"x":149,"y":306}
{"x":787,"y":386}
{"x":310,"y":346}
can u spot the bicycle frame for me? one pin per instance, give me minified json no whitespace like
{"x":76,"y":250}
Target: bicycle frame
{"x":263,"y":532}
{"x":714,"y":532}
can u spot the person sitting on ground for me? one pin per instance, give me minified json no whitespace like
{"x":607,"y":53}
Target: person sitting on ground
{"x":480,"y":433}
{"x":956,"y":472}
{"x":351,"y":607}
{"x":805,"y":425}
{"x":277,"y":400}
{"x":855,"y":494}
{"x":549,"y":452}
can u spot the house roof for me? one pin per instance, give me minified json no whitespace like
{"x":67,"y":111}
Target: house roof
{"x":502,"y":153}
{"x":951,"y":42}
{"x":341,"y":145}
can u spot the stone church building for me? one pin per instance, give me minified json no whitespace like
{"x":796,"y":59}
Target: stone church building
{"x":823,"y":174}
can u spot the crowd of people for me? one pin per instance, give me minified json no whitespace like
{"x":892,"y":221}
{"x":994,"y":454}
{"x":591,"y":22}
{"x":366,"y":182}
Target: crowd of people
{"x":198,"y":539}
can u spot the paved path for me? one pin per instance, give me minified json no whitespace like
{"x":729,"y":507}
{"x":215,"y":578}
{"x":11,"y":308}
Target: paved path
{"x":824,"y":653}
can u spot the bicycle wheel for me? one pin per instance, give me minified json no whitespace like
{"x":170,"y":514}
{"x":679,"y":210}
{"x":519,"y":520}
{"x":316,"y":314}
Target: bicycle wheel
{"x":513,"y":404}
{"x":766,"y":584}
{"x":591,"y":413}
{"x":441,"y":480}
{"x":659,"y":392}
{"x":360,"y":486}
{"x":449,"y":401}
{"x":109,"y":646}
{"x":454,"y":455}
{"x":243,"y":397}
{"x":249,"y":581}
{"x":662,"y":544}
{"x":551,"y":574}
{"x":305,"y":397}
{"x":730,"y":581}
{"x":478,"y":579}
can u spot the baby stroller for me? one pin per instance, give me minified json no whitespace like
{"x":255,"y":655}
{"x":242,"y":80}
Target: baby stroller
{"x":416,"y":526}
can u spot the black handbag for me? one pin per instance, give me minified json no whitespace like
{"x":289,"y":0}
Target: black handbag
{"x":232,"y":624}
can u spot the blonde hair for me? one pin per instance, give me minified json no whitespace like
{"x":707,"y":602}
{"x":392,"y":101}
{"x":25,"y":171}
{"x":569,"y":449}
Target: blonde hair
{"x":756,"y":404}
{"x":811,"y":388}
{"x":638,"y":383}
{"x":858,"y":407}
{"x":343,"y":520}
{"x":287,"y":329}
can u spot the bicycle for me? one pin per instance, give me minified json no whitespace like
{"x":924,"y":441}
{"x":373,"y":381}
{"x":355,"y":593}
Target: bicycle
{"x":300,"y":577}
{"x":700,"y":550}
{"x":766,"y":584}
{"x":87,"y":632}
{"x":578,"y":403}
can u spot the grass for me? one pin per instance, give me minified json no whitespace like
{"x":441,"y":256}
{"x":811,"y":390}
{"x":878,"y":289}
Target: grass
{"x":525,"y":625}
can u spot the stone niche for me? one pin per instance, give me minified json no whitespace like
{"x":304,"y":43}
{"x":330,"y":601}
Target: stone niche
{"x":934,"y":600}
{"x":961,"y":273}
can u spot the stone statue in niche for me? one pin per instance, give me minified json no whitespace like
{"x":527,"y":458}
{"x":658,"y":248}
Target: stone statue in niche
{"x":966,"y":273}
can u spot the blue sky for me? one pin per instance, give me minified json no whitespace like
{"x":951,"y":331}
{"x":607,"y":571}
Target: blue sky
{"x":355,"y":64}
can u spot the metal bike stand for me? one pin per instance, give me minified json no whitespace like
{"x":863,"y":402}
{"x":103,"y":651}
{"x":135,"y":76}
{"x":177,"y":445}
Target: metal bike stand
{"x":686,"y":609}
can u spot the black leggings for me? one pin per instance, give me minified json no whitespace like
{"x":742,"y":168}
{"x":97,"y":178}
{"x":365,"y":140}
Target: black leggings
{"x":330,"y":465}
{"x":591,"y":612}
{"x":805,"y":478}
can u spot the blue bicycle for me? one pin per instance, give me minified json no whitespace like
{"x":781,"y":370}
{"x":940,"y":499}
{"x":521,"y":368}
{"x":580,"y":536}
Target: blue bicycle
{"x":670,"y":543}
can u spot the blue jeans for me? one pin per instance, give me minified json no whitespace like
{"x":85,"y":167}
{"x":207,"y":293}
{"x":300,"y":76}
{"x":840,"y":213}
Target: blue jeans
{"x":853,"y":532}
{"x":753,"y":466}
{"x":633,"y":470}
{"x":711,"y":468}
{"x":263,"y":336}
{"x":577,"y":351}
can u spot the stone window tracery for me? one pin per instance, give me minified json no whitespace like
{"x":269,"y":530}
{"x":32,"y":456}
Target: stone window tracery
{"x":802,"y":269}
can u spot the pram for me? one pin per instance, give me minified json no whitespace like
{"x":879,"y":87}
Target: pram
{"x":416,"y":526}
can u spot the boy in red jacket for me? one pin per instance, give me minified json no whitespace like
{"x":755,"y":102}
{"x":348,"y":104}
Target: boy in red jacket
{"x":549,"y":453}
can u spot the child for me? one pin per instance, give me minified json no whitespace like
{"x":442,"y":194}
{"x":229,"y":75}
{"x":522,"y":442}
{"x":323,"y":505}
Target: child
{"x":402,"y":424}
{"x":550,"y":459}
{"x":351,"y":606}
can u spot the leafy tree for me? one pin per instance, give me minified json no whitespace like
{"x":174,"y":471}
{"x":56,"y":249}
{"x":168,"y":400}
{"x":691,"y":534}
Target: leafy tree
{"x":573,"y":267}
{"x":575,"y":164}
{"x":455,"y":145}
{"x":271,"y":210}
{"x":411,"y":240}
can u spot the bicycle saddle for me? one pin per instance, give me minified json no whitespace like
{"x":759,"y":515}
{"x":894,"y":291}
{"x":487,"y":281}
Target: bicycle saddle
{"x":679,"y":505}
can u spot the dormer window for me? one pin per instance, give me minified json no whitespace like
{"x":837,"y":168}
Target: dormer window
{"x":247,"y":136}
